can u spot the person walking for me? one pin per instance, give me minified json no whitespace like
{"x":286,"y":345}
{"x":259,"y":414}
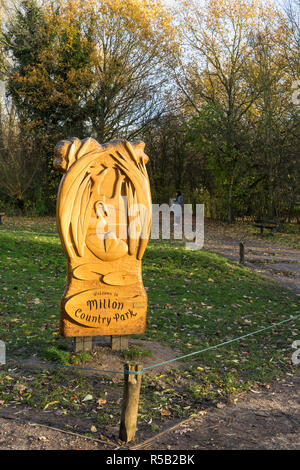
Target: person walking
{"x":178,"y":207}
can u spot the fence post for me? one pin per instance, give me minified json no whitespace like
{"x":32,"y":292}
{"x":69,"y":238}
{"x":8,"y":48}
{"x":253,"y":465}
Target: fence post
{"x":242,"y":253}
{"x":2,"y":353}
{"x":130,"y":404}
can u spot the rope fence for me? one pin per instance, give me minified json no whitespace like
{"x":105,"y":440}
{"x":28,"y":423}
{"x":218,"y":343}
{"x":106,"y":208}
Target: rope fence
{"x":132,"y":378}
{"x":130,"y":372}
{"x":222,"y":344}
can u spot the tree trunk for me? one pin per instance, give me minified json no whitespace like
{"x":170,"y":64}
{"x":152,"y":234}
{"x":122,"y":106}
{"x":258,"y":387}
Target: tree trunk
{"x":21,"y":203}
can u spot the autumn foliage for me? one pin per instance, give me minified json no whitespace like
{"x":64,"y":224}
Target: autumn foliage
{"x":208,"y":85}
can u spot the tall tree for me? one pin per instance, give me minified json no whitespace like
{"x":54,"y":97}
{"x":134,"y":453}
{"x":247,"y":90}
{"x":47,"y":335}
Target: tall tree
{"x":132,"y":40}
{"x":19,"y":164}
{"x":49,"y":72}
{"x":87,"y":67}
{"x":220,"y":70}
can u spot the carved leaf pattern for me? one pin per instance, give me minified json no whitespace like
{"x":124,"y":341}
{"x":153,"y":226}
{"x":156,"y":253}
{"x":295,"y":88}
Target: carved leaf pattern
{"x":75,"y":194}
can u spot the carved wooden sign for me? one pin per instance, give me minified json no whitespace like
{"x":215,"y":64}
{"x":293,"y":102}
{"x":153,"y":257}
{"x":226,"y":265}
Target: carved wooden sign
{"x":104,"y":222}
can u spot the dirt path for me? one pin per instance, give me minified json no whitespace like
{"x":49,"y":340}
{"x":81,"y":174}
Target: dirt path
{"x":18,"y":435}
{"x":266,"y":418}
{"x":280,"y":263}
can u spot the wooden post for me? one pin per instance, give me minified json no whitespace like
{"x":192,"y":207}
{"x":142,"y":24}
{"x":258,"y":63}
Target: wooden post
{"x":130,"y":404}
{"x":242,"y":253}
{"x":119,"y":342}
{"x":83,"y":343}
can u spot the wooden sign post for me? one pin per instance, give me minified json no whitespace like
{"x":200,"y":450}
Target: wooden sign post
{"x":104,"y":222}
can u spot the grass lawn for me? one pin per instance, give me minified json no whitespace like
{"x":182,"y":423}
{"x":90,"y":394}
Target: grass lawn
{"x":196,"y":299}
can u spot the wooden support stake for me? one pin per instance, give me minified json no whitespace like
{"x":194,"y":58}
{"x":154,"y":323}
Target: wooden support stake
{"x":242,"y":253}
{"x":83,"y":343}
{"x":119,"y":342}
{"x":130,"y":404}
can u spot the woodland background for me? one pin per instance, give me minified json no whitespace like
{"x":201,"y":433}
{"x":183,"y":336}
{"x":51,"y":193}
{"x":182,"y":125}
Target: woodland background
{"x":211,"y":86}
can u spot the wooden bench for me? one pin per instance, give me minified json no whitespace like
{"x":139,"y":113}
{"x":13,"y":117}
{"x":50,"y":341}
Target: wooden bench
{"x":2,"y":214}
{"x":268,"y":224}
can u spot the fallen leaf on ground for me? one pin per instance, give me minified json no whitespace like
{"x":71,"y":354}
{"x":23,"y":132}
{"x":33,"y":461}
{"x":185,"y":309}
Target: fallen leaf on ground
{"x":183,"y":431}
{"x":221,"y":405}
{"x":165,"y":412}
{"x":50,"y":403}
{"x":19,"y":388}
{"x":88,"y":397}
{"x":101,"y":401}
{"x":264,"y":414}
